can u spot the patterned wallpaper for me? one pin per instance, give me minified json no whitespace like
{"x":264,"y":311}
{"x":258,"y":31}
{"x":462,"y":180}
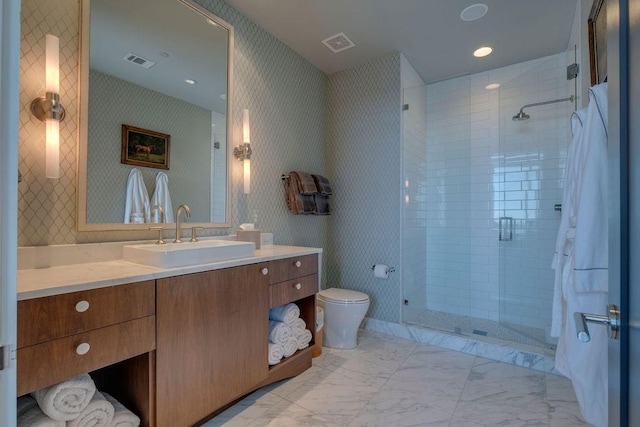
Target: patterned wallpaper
{"x":364,"y":148}
{"x":46,"y":207}
{"x":286,"y":96}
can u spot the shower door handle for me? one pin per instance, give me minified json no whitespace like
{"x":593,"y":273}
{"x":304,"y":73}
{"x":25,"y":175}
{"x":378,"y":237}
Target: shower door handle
{"x":612,"y":320}
{"x":505,"y":228}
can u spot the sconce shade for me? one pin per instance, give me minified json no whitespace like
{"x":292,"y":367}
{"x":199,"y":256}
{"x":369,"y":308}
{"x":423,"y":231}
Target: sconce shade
{"x":246,"y":175}
{"x":48,"y":108}
{"x":246,"y":130}
{"x":52,"y":68}
{"x":52,"y":154}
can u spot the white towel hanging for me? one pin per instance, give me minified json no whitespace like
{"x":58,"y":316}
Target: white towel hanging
{"x":162,"y":198}
{"x":137,"y":202}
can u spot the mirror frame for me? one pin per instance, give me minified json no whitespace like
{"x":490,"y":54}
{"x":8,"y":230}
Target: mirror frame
{"x":83,"y":110}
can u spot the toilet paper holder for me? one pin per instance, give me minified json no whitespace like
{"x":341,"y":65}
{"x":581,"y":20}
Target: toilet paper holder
{"x":391,"y":269}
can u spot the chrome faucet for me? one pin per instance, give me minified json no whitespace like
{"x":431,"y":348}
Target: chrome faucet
{"x":187,"y":213}
{"x":160,"y":210}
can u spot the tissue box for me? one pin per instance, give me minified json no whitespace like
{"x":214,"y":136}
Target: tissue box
{"x":249,"y":236}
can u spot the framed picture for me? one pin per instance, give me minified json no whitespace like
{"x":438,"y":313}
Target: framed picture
{"x":142,"y":147}
{"x":597,"y":25}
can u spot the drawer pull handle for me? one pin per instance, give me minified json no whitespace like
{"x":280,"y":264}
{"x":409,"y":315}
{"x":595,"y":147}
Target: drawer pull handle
{"x":298,"y":264}
{"x":83,"y":348}
{"x":82,"y":306}
{"x":265,"y":271}
{"x":298,"y":286}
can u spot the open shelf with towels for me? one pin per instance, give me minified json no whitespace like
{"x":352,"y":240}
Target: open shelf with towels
{"x":294,"y":280}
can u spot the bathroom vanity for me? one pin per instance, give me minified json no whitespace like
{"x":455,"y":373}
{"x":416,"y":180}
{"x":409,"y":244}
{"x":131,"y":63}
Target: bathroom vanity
{"x":174,"y":345}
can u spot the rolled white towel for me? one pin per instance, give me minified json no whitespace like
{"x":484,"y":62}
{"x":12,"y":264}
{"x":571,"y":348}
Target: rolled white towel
{"x":298,"y":326}
{"x":279,"y":333}
{"x":304,"y":339}
{"x":290,"y":347}
{"x":122,"y":417}
{"x":287,"y":313}
{"x":30,"y":415}
{"x":66,"y":400}
{"x":276,"y":353}
{"x":98,"y":413}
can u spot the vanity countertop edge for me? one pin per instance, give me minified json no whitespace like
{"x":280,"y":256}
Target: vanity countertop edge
{"x":42,"y":282}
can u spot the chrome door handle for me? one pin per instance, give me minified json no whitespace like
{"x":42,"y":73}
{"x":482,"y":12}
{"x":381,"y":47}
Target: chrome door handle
{"x":612,"y":320}
{"x":508,"y":234}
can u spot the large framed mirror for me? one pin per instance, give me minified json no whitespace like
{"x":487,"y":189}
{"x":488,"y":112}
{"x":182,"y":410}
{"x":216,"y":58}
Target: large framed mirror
{"x":155,"y":96}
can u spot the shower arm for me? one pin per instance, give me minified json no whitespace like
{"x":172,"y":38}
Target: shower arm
{"x":536,"y":104}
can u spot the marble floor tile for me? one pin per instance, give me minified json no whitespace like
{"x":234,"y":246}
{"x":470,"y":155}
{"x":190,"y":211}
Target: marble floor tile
{"x":337,"y":392}
{"x":287,"y":414}
{"x":498,"y":394}
{"x":245,"y":411}
{"x":392,"y":407}
{"x":375,"y":355}
{"x":563,"y":408}
{"x":390,"y":381}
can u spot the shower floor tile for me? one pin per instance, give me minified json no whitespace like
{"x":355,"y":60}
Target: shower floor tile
{"x":389,"y":381}
{"x":480,"y":329}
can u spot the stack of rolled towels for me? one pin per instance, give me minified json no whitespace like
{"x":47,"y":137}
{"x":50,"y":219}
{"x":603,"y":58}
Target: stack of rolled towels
{"x":73,"y":403}
{"x":287,"y":332}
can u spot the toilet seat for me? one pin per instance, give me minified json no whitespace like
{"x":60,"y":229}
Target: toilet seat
{"x":343,"y":296}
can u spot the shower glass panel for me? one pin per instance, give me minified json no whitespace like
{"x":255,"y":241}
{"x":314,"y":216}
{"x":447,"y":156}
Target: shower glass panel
{"x":479,"y":196}
{"x":533,"y":153}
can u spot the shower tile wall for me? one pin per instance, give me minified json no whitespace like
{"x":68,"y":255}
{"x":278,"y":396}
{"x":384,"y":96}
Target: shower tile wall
{"x":467,"y":192}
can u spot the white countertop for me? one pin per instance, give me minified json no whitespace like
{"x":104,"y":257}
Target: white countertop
{"x":40,"y":282}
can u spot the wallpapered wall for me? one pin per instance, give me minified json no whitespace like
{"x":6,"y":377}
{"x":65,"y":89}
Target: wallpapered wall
{"x":364,"y":143}
{"x":286,"y":96}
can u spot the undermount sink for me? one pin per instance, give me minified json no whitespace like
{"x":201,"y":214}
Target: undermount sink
{"x":187,"y":253}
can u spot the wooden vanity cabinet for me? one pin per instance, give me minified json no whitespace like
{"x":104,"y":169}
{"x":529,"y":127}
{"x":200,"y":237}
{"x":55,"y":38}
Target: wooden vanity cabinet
{"x":175,"y":350}
{"x":212,"y":332}
{"x":108,"y":332}
{"x":65,"y":335}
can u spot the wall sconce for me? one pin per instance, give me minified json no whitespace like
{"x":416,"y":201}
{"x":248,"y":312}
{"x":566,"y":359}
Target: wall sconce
{"x":243,"y":152}
{"x":48,"y":108}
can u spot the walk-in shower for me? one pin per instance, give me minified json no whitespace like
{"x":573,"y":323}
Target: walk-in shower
{"x":479,"y":223}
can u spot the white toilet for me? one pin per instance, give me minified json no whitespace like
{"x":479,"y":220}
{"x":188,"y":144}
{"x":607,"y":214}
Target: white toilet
{"x":343,"y":312}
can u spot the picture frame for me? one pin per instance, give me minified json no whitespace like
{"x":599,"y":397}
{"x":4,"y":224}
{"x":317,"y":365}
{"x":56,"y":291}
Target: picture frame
{"x":146,"y":148}
{"x":597,"y":26}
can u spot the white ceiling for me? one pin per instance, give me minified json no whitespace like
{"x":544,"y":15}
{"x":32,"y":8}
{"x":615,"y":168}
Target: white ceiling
{"x":430,"y":33}
{"x":153,"y":28}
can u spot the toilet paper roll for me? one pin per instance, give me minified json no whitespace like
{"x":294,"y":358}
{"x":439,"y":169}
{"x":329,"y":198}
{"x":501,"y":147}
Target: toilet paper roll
{"x":381,"y":271}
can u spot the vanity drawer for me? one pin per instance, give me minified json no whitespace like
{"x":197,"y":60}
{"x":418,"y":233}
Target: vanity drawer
{"x":52,"y":362}
{"x":48,"y":318}
{"x":292,"y":290}
{"x":292,"y":268}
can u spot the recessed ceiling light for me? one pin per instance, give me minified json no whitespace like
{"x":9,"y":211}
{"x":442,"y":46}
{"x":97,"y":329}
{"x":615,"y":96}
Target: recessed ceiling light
{"x":473,"y":12}
{"x":164,"y":54}
{"x":492,"y":86}
{"x":190,"y":82}
{"x":212,"y":22}
{"x":483,"y":51}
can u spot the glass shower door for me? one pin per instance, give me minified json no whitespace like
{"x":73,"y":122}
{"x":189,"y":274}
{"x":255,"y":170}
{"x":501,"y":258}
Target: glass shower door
{"x":532,"y":153}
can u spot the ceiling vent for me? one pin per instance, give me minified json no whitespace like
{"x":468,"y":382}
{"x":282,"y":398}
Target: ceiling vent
{"x":138,"y":60}
{"x":338,"y":43}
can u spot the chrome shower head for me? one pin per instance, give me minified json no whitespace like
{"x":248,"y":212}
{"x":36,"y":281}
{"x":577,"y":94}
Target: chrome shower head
{"x":521,"y":116}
